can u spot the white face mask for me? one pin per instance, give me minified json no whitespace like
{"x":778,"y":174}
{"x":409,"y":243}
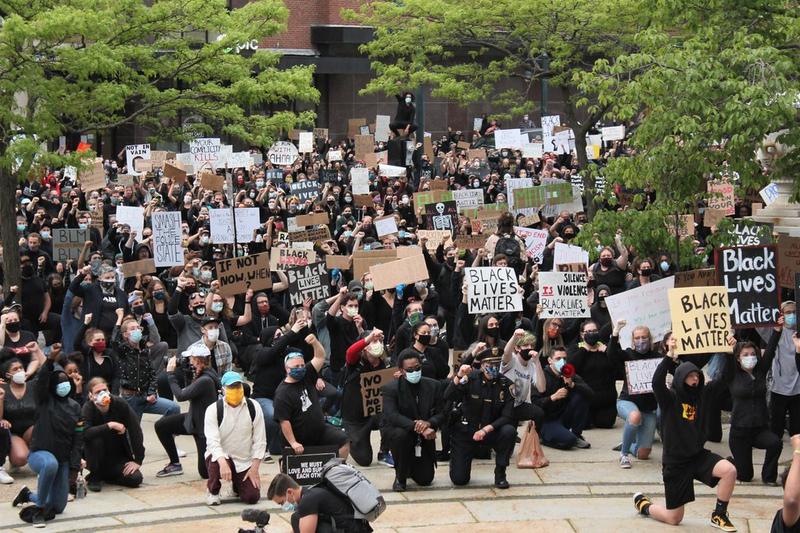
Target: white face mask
{"x":749,"y":362}
{"x":212,"y":334}
{"x":18,"y":377}
{"x":408,"y":99}
{"x":376,"y":349}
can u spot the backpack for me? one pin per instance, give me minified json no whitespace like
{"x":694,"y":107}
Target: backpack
{"x":250,"y":407}
{"x":509,"y":246}
{"x":345,"y":480}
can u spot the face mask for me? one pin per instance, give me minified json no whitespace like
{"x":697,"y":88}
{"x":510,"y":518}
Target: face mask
{"x":103,"y":398}
{"x":408,"y":100}
{"x":559,"y":365}
{"x":568,"y":236}
{"x":606,"y":261}
{"x":21,"y":227}
{"x":664,"y":266}
{"x":368,"y":285}
{"x":351,"y":311}
{"x":425,"y":339}
{"x":18,"y":377}
{"x":414,"y":377}
{"x":289,"y":507}
{"x":206,"y":275}
{"x":45,"y":235}
{"x":552,"y":333}
{"x":260,"y":184}
{"x":99,"y":346}
{"x":646,"y":271}
{"x":591,"y":337}
{"x":348,"y":198}
{"x":414,"y":318}
{"x":212,"y":334}
{"x":526,"y":354}
{"x":138,"y":310}
{"x":12,"y":327}
{"x":107,"y":285}
{"x":199,"y":310}
{"x":434,"y":332}
{"x":234,"y":396}
{"x":790,"y":320}
{"x":749,"y":362}
{"x":217,"y":306}
{"x":158,"y":295}
{"x":491,"y":372}
{"x":421,"y":286}
{"x":135,"y":336}
{"x":376,"y":349}
{"x":641,"y":346}
{"x":63,"y":389}
{"x":297,"y":373}
{"x":493,"y":332}
{"x":204,"y":240}
{"x":27,"y":271}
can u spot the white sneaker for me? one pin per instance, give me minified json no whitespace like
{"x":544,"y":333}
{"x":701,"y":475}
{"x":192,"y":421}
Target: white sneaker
{"x":212,"y":499}
{"x":181,"y":453}
{"x":624,"y":462}
{"x":5,"y":479}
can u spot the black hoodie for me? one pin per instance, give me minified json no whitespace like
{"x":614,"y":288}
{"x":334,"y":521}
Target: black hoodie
{"x":682,"y":429}
{"x":58,"y":428}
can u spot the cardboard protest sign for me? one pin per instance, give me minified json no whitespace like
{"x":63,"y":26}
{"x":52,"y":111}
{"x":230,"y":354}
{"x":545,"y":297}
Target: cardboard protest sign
{"x":205,"y":152}
{"x":427,"y":146}
{"x":312,"y":235}
{"x":435,"y":237}
{"x":312,"y":219}
{"x":639,"y":374}
{"x":704,"y":277}
{"x":187,"y":162}
{"x":535,"y":242}
{"x":492,"y":290}
{"x":174,"y":172}
{"x":463,"y":145}
{"x":564,"y":294}
{"x":386,"y":225}
{"x":212,"y":182}
{"x":364,"y":145}
{"x":456,"y":359}
{"x":283,"y":258}
{"x":528,"y":220}
{"x":133,"y":217}
{"x":371,"y":383}
{"x":750,"y":274}
{"x":518,"y":183}
{"x":400,"y":271}
{"x":68,"y":243}
{"x":354,"y":126}
{"x":364,"y":259}
{"x":572,"y":267}
{"x":720,"y":196}
{"x":685,"y":226}
{"x":439,"y":185}
{"x":94,"y":178}
{"x":476,"y":153}
{"x":134,"y":152}
{"x":569,"y":253}
{"x":97,"y":220}
{"x":471,"y":242}
{"x":342,"y":262}
{"x":126,"y":180}
{"x":700,"y":319}
{"x":363,"y":200}
{"x":310,"y":281}
{"x":306,"y":469}
{"x":647,"y":305}
{"x":305,"y":190}
{"x":238,"y":274}
{"x":282,"y":154}
{"x":158,"y":157}
{"x":143,"y":266}
{"x":712,"y":217}
{"x":788,"y":260}
{"x":320,"y":133}
{"x":167,"y":239}
{"x":421,"y":199}
{"x":306,"y":142}
{"x":141,"y":166}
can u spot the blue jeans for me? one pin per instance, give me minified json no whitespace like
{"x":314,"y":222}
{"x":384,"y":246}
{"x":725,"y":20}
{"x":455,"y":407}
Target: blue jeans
{"x":564,"y":431}
{"x":162,"y":406}
{"x":638,"y":436}
{"x":274,"y":437}
{"x":52,"y":485}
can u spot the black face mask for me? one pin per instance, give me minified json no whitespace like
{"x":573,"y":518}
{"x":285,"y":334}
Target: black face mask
{"x":526,"y":354}
{"x":591,"y":337}
{"x":12,"y":327}
{"x":646,"y":271}
{"x":424,"y":339}
{"x":692,"y":393}
{"x":107,"y":285}
{"x":493,"y":332}
{"x":27,"y":270}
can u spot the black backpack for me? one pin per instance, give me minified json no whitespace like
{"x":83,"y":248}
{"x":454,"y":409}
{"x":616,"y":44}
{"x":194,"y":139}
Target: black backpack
{"x":250,"y":407}
{"x":509,"y":246}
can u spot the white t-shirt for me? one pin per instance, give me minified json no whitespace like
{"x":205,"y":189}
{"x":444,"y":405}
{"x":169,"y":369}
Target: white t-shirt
{"x":522,"y":376}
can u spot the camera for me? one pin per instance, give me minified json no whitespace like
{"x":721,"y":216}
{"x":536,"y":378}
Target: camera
{"x":259,"y":517}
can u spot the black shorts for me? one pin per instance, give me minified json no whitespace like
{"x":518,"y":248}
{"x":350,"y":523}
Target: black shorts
{"x":329,"y":436}
{"x":679,"y":478}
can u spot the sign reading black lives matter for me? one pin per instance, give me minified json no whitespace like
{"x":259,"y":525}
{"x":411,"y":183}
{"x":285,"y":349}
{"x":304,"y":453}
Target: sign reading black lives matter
{"x":305,"y":190}
{"x":306,"y":469}
{"x":750,"y":274}
{"x":564,"y":294}
{"x":310,"y":281}
{"x":492,"y":290}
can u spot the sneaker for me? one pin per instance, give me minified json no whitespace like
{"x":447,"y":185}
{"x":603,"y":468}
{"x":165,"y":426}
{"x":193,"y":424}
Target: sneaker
{"x":617,"y":448}
{"x":23,"y":496}
{"x":213,"y":499}
{"x":5,"y":479}
{"x":170,"y":470}
{"x":181,"y":453}
{"x":582,"y":444}
{"x":268,"y":458}
{"x":38,"y":519}
{"x":642,"y":503}
{"x":94,"y":485}
{"x":398,"y":486}
{"x":624,"y":462}
{"x":720,"y":521}
{"x":386,"y":459}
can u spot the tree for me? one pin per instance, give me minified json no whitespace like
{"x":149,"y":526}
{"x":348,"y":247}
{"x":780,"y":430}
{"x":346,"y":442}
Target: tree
{"x":463,"y":49}
{"x":92,"y":65}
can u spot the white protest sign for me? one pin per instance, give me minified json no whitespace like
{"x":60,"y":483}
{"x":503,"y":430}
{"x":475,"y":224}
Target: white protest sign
{"x":468,"y":198}
{"x":564,"y":294}
{"x":247,"y":221}
{"x":133,"y":217}
{"x":334,"y":155}
{"x":221,"y":226}
{"x":567,"y":254}
{"x":283,"y":153}
{"x":561,"y":140}
{"x":769,"y":193}
{"x":205,"y":152}
{"x":187,"y":162}
{"x":594,"y":139}
{"x":639,"y":374}
{"x":391,"y":171}
{"x":359,"y":178}
{"x":225,"y":152}
{"x":382,"y":128}
{"x":507,"y":139}
{"x":239,"y":160}
{"x":385,"y":226}
{"x":548,"y":123}
{"x":492,"y":290}
{"x":133,"y":152}
{"x":306,"y":142}
{"x":71,"y":173}
{"x":477,"y":122}
{"x":535,"y":242}
{"x":613,"y":133}
{"x":167,"y":239}
{"x":647,"y":305}
{"x":533,"y":150}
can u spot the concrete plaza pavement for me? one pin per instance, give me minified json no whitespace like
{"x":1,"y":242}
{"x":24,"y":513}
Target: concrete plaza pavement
{"x":581,"y":491}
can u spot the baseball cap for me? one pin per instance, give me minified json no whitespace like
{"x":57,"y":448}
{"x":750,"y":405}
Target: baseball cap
{"x":197,"y":350}
{"x":230,"y":377}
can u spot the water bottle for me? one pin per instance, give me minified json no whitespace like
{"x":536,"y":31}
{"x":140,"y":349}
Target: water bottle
{"x":80,"y":487}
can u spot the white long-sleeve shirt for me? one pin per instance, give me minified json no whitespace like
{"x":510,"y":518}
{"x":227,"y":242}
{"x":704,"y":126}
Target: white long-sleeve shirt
{"x":237,"y":438}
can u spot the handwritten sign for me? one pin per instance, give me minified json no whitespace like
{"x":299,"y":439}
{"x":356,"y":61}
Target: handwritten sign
{"x":639,"y":374}
{"x":371,"y":395}
{"x":750,"y":274}
{"x":167,"y":238}
{"x":535,"y":242}
{"x":407,"y":270}
{"x":788,"y":260}
{"x":310,"y":281}
{"x":68,"y":243}
{"x":700,"y":319}
{"x":238,"y":274}
{"x":205,"y":152}
{"x":647,"y":305}
{"x":704,"y":277}
{"x":283,"y":153}
{"x":134,"y":152}
{"x":321,"y":233}
{"x":282,"y":258}
{"x":720,"y":196}
{"x":492,"y":290}
{"x":564,"y":294}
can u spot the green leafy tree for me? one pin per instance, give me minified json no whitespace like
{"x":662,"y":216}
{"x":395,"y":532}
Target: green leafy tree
{"x":70,"y":66}
{"x":463,"y":49}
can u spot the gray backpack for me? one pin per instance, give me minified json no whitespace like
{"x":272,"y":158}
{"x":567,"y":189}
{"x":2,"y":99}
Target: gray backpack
{"x":366,"y":499}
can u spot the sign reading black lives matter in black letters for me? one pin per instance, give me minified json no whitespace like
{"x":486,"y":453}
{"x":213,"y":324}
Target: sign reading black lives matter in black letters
{"x":750,"y":273}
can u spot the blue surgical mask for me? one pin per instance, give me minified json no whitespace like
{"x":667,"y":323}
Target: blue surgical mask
{"x":560,"y":364}
{"x":297,"y":373}
{"x":136,"y":335}
{"x":82,"y":225}
{"x":414,"y":377}
{"x":790,"y":320}
{"x":63,"y":388}
{"x":217,"y":306}
{"x":664,"y":266}
{"x":492,"y":372}
{"x":289,"y":507}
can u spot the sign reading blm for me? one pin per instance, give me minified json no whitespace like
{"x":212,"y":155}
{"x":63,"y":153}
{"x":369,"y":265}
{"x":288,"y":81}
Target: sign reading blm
{"x":750,"y":274}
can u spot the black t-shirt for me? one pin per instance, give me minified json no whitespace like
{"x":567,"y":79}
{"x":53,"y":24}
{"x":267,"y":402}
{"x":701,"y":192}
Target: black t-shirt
{"x":299,"y":404}
{"x":32,"y":296}
{"x":18,"y":347}
{"x":777,"y":524}
{"x":325,"y":503}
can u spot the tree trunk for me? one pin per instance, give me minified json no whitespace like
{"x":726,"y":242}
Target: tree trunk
{"x":580,"y":147}
{"x":8,"y":229}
